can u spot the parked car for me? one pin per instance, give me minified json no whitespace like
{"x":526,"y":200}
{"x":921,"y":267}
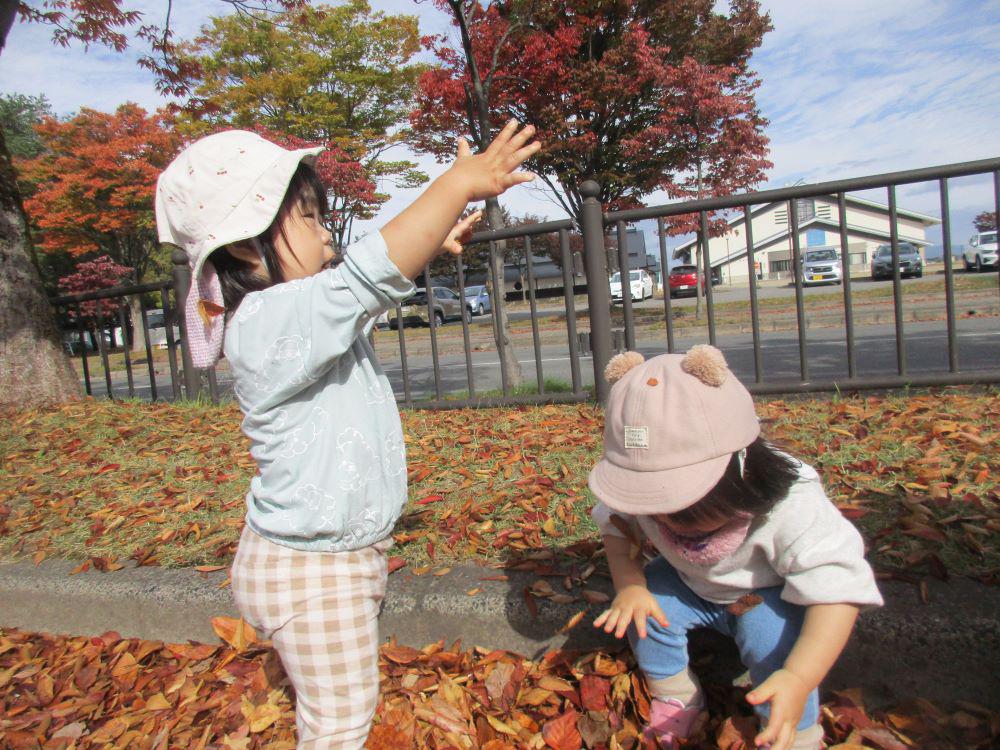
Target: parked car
{"x":446,"y":305}
{"x":72,"y":346}
{"x":981,"y":251}
{"x":158,"y":329}
{"x":640,"y":285}
{"x":910,"y":262}
{"x":683,"y":280}
{"x":821,"y":266}
{"x":477,"y":299}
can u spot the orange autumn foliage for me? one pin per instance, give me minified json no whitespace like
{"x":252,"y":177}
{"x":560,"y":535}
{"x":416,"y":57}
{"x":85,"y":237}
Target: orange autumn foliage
{"x":92,"y":189}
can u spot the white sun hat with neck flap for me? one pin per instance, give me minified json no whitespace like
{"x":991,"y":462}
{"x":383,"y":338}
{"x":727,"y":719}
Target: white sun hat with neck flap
{"x":221,"y":189}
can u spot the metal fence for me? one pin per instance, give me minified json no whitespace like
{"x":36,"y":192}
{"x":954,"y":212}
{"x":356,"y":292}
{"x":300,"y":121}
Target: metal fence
{"x":475,"y":362}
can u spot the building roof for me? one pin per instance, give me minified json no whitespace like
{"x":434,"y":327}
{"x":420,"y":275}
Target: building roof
{"x":738,"y":219}
{"x":763,"y":244}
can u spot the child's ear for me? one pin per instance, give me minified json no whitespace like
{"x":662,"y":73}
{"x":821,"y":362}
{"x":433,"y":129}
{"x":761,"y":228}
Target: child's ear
{"x":244,"y":251}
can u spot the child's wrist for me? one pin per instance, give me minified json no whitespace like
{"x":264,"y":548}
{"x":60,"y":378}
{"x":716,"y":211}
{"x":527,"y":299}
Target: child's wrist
{"x":453,"y":180}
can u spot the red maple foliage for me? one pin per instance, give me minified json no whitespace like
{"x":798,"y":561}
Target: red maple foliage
{"x":608,"y":88}
{"x":94,"y":184}
{"x":92,"y":276}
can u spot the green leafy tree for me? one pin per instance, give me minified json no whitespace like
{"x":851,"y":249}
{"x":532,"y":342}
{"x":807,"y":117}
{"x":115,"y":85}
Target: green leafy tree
{"x":341,"y":75}
{"x":18,"y":116}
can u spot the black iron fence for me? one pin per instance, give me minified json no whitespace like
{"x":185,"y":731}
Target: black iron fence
{"x":536,"y":349}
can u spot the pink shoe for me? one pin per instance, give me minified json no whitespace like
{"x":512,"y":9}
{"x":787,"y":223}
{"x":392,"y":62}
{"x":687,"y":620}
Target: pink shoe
{"x":670,"y":720}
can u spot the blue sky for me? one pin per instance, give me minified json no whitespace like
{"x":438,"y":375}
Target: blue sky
{"x":850,"y":88}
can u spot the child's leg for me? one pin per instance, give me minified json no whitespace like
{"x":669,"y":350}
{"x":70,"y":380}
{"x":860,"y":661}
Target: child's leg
{"x":765,"y":636}
{"x":663,"y":657}
{"x":663,"y":652}
{"x":321,"y":613}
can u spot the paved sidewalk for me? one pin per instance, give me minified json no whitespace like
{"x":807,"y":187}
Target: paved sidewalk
{"x":943,"y":650}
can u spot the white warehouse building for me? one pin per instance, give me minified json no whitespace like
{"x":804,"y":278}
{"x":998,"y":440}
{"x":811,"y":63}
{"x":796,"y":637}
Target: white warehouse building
{"x":819,"y":227}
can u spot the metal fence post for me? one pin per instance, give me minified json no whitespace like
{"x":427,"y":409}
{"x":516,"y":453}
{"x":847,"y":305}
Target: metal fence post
{"x":182,"y":285}
{"x":598,"y":292}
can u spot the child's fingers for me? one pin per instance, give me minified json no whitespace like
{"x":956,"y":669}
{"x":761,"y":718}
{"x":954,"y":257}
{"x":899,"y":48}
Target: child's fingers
{"x":599,"y":620}
{"x":516,"y":178}
{"x":463,"y":148}
{"x":640,"y":623}
{"x":523,"y":154}
{"x":657,"y":614}
{"x":777,"y":734}
{"x":623,"y":622}
{"x":760,"y":694}
{"x":504,"y":135}
{"x":785,"y":737}
{"x":465,"y":225}
{"x":521,"y":137}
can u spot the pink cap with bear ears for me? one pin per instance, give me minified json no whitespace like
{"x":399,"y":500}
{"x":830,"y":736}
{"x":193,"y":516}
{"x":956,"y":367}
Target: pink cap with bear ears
{"x":671,"y":426}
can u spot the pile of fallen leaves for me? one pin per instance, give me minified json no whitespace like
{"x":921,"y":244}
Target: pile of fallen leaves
{"x":109,"y":692}
{"x":163,"y":484}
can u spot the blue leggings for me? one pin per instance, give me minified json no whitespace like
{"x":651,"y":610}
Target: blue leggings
{"x":765,"y":635}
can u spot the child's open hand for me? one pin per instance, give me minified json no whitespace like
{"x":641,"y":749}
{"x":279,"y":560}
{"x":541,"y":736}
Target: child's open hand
{"x":490,"y":173}
{"x":787,"y":694}
{"x":460,"y":233}
{"x":632,"y":604}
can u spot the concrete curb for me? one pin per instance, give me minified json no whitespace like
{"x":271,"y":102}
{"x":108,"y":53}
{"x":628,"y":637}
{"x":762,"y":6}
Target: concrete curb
{"x":947,"y":649}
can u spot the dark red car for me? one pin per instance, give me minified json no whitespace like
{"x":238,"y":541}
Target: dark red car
{"x":683,"y":281}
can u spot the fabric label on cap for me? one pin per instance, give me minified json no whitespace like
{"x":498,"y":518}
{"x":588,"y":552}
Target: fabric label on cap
{"x":636,"y":437}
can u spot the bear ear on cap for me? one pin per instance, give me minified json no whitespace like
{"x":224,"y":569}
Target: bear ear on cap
{"x":619,"y":364}
{"x":707,"y":364}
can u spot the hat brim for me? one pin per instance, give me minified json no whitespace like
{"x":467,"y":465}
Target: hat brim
{"x":247,"y":218}
{"x":653,"y":492}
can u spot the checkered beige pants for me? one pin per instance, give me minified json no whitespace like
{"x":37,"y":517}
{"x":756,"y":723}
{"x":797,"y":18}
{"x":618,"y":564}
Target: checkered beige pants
{"x":320,"y":610}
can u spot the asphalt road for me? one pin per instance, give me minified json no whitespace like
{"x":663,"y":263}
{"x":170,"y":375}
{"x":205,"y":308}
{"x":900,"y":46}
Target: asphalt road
{"x":926,"y":348}
{"x":978,"y":342}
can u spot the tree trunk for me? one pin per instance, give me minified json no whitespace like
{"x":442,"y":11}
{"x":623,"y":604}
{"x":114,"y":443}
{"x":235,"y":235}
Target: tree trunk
{"x":698,"y":291}
{"x":135,"y":317}
{"x":34,"y":369}
{"x":501,"y":327}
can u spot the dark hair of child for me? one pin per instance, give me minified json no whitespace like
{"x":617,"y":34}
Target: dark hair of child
{"x":236,"y":277}
{"x":766,"y":479}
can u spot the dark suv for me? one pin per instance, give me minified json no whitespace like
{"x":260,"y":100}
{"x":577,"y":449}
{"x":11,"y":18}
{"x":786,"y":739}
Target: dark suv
{"x":910,"y":262}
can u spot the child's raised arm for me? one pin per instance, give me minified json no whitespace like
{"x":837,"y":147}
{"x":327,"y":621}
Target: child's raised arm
{"x":416,"y":235}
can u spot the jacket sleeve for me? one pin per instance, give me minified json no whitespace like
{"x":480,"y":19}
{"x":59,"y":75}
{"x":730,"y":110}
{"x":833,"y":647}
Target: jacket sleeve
{"x":288,"y":336}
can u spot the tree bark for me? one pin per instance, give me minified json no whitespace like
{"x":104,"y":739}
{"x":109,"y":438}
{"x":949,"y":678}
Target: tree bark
{"x":501,"y":329}
{"x":481,"y":130}
{"x":34,"y":369}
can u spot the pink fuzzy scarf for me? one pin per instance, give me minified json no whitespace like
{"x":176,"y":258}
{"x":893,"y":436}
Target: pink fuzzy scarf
{"x":708,"y":549}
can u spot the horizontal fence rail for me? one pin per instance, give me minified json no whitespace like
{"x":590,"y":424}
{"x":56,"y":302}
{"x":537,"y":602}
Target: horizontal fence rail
{"x":532,"y":341}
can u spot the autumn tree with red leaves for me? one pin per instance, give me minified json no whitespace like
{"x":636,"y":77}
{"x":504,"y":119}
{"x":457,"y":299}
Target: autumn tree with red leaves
{"x":985,"y":222}
{"x":94,"y":184}
{"x":340,"y":76}
{"x":92,"y":276}
{"x":602,"y":82}
{"x":34,"y":368}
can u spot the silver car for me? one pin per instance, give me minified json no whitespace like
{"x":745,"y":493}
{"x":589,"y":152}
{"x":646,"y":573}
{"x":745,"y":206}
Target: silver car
{"x":477,"y":299}
{"x":821,"y":266}
{"x":910,"y":262}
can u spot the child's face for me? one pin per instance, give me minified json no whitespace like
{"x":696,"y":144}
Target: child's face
{"x":702,"y":528}
{"x":303,"y":245}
